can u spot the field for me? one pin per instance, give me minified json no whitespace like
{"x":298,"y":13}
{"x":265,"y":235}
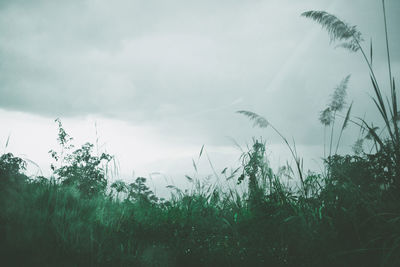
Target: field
{"x":346,"y":215}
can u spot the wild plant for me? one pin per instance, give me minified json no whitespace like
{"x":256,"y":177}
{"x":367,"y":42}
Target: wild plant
{"x":351,"y":39}
{"x":370,"y":179}
{"x":11,"y":165}
{"x":65,"y":142}
{"x":328,"y":115}
{"x":119,"y":186}
{"x":83,"y":169}
{"x":11,"y":171}
{"x":257,"y":171}
{"x":80,"y":168}
{"x":139,"y":191}
{"x":261,"y":122}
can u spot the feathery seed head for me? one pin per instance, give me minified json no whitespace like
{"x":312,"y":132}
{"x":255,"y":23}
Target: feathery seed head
{"x":337,"y":29}
{"x":339,"y":95}
{"x":257,"y":119}
{"x":326,"y":117}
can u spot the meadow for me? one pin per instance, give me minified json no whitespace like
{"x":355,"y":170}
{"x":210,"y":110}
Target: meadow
{"x":346,"y":215}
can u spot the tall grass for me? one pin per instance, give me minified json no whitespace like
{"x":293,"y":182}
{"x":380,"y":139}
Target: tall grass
{"x":351,"y":39}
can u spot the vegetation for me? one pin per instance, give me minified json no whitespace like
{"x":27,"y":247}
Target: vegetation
{"x":346,"y":216}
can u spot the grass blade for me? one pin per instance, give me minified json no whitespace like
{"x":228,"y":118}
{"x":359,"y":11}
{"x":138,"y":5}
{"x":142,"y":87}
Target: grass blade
{"x":194,"y":165}
{"x":370,"y":52}
{"x":345,"y":122}
{"x":201,"y":151}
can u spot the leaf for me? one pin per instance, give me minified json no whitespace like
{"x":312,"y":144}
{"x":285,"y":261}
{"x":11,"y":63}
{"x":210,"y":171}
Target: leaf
{"x":201,"y":151}
{"x":226,"y":221}
{"x":8,"y":140}
{"x":381,"y":106}
{"x":370,"y":52}
{"x":224,"y":170}
{"x":290,"y":218}
{"x":194,"y":165}
{"x":235,"y":171}
{"x":371,"y":132}
{"x":240,"y":179}
{"x":394,"y":103}
{"x":346,"y":120}
{"x":189,"y":178}
{"x":230,"y":177}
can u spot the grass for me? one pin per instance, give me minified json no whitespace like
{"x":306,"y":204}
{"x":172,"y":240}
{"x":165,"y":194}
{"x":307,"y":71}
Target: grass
{"x":346,"y":216}
{"x":345,"y":220}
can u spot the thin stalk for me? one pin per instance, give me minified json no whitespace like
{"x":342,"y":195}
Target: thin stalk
{"x":392,"y":87}
{"x":324,"y":142}
{"x":345,"y":121}
{"x":294,"y":155}
{"x":381,"y":106}
{"x":337,"y":144}
{"x":375,"y":143}
{"x":333,"y":126}
{"x":387,"y":44}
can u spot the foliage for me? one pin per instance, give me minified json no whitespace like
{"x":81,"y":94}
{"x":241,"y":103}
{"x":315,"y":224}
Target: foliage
{"x":84,"y":170}
{"x":256,"y":169}
{"x":139,"y":191}
{"x":261,"y":122}
{"x":80,"y":168}
{"x":10,"y":165}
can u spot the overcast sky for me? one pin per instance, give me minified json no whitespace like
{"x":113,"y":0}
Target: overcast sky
{"x":161,"y":78}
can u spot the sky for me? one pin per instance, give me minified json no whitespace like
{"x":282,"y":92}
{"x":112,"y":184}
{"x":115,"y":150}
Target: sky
{"x":153,"y":81}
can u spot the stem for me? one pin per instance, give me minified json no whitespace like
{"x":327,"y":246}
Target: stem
{"x":366,"y":59}
{"x":387,"y":44}
{"x":337,"y":145}
{"x":379,"y":97}
{"x":333,"y":125}
{"x":294,"y":155}
{"x":393,"y":92}
{"x":324,"y":141}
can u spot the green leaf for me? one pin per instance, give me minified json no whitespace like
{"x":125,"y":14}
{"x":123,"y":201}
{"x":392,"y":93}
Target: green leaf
{"x":346,"y":120}
{"x":201,"y":151}
{"x":189,"y":178}
{"x":290,"y":218}
{"x":370,"y":51}
{"x":194,"y":165}
{"x":240,"y":179}
{"x":224,"y":170}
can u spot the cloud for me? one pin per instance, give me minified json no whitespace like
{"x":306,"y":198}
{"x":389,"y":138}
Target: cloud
{"x":179,"y":64}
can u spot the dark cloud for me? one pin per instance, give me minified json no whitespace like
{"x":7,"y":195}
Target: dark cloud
{"x":184,"y":64}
